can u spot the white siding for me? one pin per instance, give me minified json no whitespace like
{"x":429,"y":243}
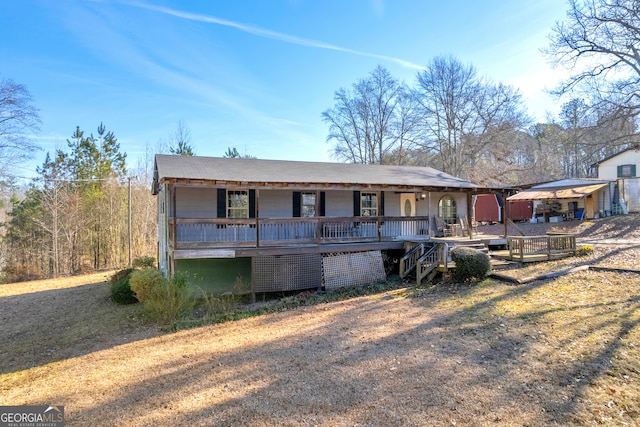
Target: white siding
{"x":630,"y":192}
{"x":276,"y":204}
{"x":608,"y":169}
{"x":392,"y":203}
{"x":339,"y":203}
{"x":196,"y":202}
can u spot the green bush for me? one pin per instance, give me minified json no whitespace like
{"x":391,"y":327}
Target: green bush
{"x":121,"y":291}
{"x":143,"y":282}
{"x":144,"y":262}
{"x":226,"y":303}
{"x":119,"y":275}
{"x":169,"y":301}
{"x":180,"y":279}
{"x":585,"y":250}
{"x":470,"y":264}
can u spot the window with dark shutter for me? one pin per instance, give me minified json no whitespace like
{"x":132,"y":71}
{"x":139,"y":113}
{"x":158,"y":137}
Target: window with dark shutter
{"x":297,"y":201}
{"x":323,"y":203}
{"x":626,"y":171}
{"x":222,"y":203}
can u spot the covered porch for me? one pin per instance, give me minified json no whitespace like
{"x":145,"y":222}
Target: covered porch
{"x":191,"y":233}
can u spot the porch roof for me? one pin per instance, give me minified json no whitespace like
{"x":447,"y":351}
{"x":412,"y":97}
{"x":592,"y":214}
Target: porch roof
{"x":576,"y":192}
{"x":216,"y":170}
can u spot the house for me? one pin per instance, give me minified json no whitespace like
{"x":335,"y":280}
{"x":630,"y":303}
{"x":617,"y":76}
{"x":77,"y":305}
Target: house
{"x":288,"y":225}
{"x":567,"y":199}
{"x":622,"y":168}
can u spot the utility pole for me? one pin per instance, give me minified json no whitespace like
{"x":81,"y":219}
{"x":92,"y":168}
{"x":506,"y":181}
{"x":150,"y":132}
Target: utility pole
{"x":129,"y":232}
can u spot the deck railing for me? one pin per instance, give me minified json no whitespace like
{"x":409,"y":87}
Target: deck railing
{"x":199,"y":232}
{"x":542,"y":247}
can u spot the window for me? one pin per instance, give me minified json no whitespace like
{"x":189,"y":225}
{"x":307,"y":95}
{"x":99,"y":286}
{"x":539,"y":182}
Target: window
{"x":369,"y":204}
{"x":237,"y":204}
{"x":447,"y":210}
{"x":308,"y":205}
{"x":626,"y":171}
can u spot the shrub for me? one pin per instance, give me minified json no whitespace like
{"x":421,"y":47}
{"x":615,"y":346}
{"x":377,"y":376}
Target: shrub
{"x":227,"y":302}
{"x":121,"y":292}
{"x":144,"y":262}
{"x":585,"y":250}
{"x":143,"y":282}
{"x":470,"y":264}
{"x":180,"y":279}
{"x":168,"y":301}
{"x":119,"y":275}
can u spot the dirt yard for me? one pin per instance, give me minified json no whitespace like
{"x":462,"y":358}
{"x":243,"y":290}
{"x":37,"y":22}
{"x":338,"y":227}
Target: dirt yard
{"x":555,"y":352}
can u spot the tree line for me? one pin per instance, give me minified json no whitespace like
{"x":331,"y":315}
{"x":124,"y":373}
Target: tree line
{"x":74,"y":216}
{"x":457,"y":121}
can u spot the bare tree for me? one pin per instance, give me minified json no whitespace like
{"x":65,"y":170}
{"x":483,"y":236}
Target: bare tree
{"x":465,"y":118}
{"x":600,"y":43}
{"x":18,"y":117}
{"x":366,"y":122}
{"x":180,"y":140}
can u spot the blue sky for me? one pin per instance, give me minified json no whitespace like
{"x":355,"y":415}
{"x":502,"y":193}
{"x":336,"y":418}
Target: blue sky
{"x":255,"y":75}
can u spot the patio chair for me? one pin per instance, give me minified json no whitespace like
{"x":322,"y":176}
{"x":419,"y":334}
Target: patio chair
{"x":445,"y":229}
{"x":465,"y":224}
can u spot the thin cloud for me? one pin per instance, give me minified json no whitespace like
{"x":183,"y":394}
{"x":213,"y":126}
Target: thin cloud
{"x":261,"y":32}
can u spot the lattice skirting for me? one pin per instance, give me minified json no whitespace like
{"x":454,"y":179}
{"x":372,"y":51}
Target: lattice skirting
{"x":286,"y":272}
{"x":295,"y":272}
{"x":340,"y":270}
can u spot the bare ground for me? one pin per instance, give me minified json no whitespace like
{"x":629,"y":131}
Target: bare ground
{"x":554,"y":352}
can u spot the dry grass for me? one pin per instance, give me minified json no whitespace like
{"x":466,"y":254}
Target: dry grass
{"x":555,"y":352}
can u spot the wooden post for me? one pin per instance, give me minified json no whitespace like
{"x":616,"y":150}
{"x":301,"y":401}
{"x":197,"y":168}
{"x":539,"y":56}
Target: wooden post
{"x":257,"y":218}
{"x":129,"y":219}
{"x":504,"y":212}
{"x":469,"y":215}
{"x":175,"y":228}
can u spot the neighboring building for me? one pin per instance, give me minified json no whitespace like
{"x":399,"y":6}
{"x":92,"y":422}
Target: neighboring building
{"x":286,"y":225}
{"x":567,"y":199}
{"x":489,"y":208}
{"x":623,"y":168}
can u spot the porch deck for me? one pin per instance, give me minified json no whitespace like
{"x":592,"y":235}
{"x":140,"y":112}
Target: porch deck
{"x":197,"y":237}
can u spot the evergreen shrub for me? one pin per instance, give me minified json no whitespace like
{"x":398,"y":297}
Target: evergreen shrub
{"x":121,"y":292}
{"x":470,"y":264}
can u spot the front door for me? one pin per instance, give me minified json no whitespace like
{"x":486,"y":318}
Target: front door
{"x":408,"y":209}
{"x":407,"y":204}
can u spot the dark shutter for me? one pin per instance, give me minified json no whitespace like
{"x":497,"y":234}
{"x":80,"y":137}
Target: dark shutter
{"x":633,"y":171}
{"x":222,"y":203}
{"x":323,"y":203}
{"x":297,"y":204}
{"x":356,"y":203}
{"x":619,"y":171}
{"x":252,"y":203}
{"x":381,"y":204}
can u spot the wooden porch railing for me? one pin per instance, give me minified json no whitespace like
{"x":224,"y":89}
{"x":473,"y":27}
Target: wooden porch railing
{"x":424,"y":258}
{"x":200,"y":232}
{"x":523,"y":248}
{"x":429,"y":261}
{"x":409,"y":261}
